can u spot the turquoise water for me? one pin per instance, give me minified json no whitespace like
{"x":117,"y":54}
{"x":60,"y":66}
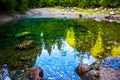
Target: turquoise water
{"x":61,"y":44}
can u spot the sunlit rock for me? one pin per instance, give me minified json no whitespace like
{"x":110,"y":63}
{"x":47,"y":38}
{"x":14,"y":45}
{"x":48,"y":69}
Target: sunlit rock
{"x":96,"y":9}
{"x":24,"y":58}
{"x":112,"y":13}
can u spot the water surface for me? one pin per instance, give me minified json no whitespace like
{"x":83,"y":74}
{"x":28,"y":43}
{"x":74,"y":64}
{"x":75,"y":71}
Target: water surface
{"x":61,"y":44}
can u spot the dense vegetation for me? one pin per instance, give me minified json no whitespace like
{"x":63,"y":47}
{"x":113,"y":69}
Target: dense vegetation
{"x":22,"y":5}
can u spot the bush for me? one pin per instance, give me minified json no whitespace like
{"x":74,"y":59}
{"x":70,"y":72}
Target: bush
{"x":21,"y":5}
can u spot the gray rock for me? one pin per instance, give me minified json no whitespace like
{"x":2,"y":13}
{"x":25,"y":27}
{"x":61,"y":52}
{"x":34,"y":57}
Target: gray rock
{"x":110,"y":68}
{"x":91,"y":75}
{"x":82,"y":69}
{"x":112,"y":13}
{"x":34,"y":73}
{"x":109,"y":74}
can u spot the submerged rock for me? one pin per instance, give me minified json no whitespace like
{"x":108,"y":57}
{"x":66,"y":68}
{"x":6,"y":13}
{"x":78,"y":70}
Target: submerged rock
{"x":34,"y":73}
{"x":24,"y":58}
{"x":5,"y":75}
{"x":25,"y":45}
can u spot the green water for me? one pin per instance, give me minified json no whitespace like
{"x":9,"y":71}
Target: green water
{"x":60,"y":42}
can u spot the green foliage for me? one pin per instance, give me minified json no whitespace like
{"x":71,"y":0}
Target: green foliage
{"x":34,"y":3}
{"x":89,"y":3}
{"x":109,"y":3}
{"x":94,"y":3}
{"x":68,"y":3}
{"x":22,"y":5}
{"x":84,"y":3}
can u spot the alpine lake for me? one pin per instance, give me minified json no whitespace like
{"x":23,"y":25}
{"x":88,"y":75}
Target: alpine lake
{"x":60,"y":44}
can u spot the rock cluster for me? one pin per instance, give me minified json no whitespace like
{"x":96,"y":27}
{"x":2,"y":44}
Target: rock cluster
{"x":34,"y":73}
{"x":108,"y":69}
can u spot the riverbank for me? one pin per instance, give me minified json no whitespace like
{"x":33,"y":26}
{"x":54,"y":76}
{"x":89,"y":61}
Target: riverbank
{"x":97,"y":14}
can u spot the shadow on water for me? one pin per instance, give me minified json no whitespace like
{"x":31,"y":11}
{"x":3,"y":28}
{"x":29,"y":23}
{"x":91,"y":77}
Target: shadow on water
{"x":61,"y":44}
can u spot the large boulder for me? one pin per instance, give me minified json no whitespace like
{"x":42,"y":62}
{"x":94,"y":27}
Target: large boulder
{"x":34,"y":73}
{"x":110,"y":68}
{"x":109,"y":74}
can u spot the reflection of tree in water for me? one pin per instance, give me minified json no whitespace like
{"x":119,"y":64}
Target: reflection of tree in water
{"x":100,"y":39}
{"x":49,"y":44}
{"x":59,"y":43}
{"x":83,"y":55}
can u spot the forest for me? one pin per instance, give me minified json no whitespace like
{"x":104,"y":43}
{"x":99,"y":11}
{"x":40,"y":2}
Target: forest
{"x":23,"y":5}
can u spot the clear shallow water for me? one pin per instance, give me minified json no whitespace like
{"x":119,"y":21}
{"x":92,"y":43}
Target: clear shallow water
{"x":61,"y":44}
{"x":61,"y":64}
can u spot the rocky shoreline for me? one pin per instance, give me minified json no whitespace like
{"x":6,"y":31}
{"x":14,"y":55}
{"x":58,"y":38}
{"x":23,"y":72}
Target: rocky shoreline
{"x":58,"y":13}
{"x":4,"y":18}
{"x":108,"y":69}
